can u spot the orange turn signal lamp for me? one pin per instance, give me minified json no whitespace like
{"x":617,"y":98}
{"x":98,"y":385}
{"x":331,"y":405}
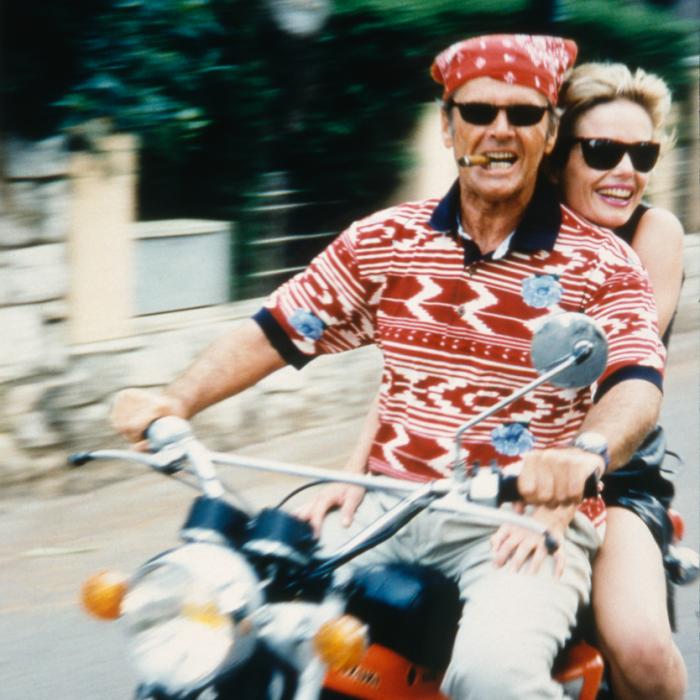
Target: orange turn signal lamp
{"x":342,"y":642}
{"x":102,"y":594}
{"x":677,"y":525}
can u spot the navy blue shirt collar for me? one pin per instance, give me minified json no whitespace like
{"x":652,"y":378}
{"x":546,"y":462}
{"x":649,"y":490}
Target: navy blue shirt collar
{"x":537,"y":230}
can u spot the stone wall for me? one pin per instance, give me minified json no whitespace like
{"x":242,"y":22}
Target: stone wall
{"x":33,"y":313}
{"x":55,"y":392}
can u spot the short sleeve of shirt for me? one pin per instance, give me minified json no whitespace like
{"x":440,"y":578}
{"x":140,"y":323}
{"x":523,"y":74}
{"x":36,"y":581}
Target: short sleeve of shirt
{"x":623,"y":304}
{"x":331,"y":305}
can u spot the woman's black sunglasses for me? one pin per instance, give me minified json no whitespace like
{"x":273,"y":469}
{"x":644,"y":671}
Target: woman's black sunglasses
{"x":605,"y":154}
{"x":483,"y":113}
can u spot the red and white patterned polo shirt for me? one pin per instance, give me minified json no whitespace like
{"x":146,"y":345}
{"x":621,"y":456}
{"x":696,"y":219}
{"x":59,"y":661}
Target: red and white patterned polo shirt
{"x":455,"y":327}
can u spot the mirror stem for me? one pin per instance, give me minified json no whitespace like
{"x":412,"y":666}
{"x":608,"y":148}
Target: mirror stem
{"x":581,"y":351}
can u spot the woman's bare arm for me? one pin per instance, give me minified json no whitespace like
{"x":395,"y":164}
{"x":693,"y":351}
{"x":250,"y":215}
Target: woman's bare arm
{"x":346,"y":497}
{"x":357,"y":462}
{"x":659,"y":244}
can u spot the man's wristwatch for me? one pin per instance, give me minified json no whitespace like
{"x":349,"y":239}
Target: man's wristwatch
{"x":596,"y":444}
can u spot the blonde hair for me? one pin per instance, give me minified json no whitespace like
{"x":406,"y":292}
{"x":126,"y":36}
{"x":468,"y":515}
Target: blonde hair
{"x":592,"y":84}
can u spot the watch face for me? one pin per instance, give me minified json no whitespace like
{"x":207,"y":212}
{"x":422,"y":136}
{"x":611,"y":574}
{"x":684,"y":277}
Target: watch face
{"x":595,"y":443}
{"x":592,"y":441}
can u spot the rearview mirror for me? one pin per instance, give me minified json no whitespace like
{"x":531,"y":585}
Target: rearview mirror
{"x":570,"y":335}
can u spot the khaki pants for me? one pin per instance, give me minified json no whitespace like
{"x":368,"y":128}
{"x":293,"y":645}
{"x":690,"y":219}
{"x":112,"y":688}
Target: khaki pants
{"x":512,"y":624}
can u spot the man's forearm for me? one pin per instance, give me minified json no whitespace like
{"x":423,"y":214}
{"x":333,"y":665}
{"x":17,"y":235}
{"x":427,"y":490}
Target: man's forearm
{"x":624,"y":415}
{"x":234,"y":362}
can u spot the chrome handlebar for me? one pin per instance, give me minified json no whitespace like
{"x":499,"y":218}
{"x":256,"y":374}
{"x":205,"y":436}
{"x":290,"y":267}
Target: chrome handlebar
{"x":476,"y":495}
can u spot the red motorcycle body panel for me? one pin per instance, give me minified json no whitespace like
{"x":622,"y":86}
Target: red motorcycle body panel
{"x":383,"y":674}
{"x":583,"y":663}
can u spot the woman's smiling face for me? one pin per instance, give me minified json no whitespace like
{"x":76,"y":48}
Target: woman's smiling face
{"x":607,"y":197}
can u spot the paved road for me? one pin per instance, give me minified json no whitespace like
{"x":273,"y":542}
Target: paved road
{"x":48,"y":544}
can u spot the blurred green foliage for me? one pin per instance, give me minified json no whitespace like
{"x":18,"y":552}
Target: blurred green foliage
{"x":41,"y":49}
{"x":220,"y":96}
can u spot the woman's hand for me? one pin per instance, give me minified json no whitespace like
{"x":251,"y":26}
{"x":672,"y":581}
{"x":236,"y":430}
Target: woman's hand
{"x":518,"y":547}
{"x":344,"y":496}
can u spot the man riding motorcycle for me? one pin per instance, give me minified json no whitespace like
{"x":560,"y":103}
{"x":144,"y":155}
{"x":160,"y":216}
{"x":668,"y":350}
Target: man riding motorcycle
{"x":452,"y":291}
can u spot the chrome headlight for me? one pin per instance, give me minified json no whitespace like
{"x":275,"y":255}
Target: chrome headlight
{"x":188,"y":616}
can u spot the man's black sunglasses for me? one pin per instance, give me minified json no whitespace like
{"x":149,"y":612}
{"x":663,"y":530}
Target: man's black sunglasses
{"x":483,"y":113}
{"x":605,"y":154}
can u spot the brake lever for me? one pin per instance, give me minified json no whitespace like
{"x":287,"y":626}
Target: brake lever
{"x":169,"y":460}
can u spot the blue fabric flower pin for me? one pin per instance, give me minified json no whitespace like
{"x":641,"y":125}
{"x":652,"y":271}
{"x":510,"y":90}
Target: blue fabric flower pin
{"x":541,"y":291}
{"x":512,"y":439}
{"x":308,"y":324}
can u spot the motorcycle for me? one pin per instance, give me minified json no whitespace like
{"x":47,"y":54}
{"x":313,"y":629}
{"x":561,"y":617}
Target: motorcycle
{"x":246,"y":607}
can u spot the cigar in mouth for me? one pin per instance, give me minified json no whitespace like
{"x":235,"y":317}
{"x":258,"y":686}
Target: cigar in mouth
{"x":470,"y":161}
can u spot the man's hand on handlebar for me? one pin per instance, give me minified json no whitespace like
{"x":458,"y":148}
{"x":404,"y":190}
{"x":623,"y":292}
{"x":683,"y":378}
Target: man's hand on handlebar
{"x":556,"y":476}
{"x":344,"y":496}
{"x":133,"y":410}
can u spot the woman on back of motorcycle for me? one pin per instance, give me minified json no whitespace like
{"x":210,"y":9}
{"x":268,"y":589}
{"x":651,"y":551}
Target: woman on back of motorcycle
{"x":611,"y":131}
{"x":610,"y":134}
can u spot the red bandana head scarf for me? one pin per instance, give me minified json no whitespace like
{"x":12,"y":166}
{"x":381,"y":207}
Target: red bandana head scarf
{"x":538,"y":62}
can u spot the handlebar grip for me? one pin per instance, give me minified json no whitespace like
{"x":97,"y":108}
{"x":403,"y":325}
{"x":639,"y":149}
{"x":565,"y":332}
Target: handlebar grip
{"x":165,"y":431}
{"x":590,"y":488}
{"x":77,"y":459}
{"x":508,"y":489}
{"x":145,"y":435}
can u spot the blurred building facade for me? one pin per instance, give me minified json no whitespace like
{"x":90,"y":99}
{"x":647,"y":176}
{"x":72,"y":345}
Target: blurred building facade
{"x":73,"y":332}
